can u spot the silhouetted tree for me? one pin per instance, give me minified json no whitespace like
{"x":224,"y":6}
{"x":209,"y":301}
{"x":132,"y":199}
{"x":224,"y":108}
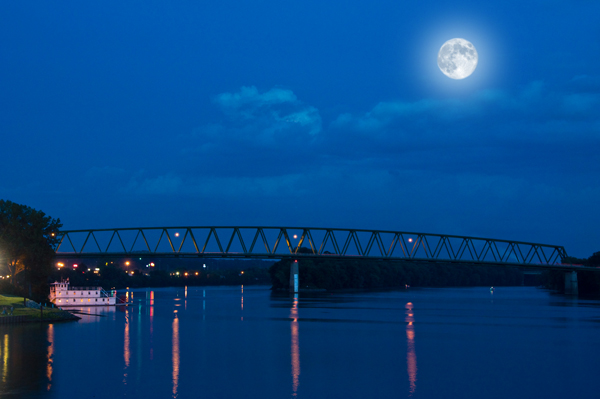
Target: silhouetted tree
{"x":27,"y":239}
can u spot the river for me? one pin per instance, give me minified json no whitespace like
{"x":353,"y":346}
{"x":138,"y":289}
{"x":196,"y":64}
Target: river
{"x":226,"y":342}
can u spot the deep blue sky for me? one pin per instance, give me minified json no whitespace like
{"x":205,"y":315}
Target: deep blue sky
{"x":311,"y":113}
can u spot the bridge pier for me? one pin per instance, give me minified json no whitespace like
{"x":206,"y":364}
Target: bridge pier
{"x":294,"y":277}
{"x":571,"y":283}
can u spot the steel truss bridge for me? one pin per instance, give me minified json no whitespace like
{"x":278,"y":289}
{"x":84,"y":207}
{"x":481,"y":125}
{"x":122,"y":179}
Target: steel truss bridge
{"x":303,"y":242}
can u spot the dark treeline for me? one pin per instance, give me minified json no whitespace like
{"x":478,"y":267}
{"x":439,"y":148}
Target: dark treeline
{"x":113,"y":277}
{"x":333,"y":274}
{"x":588,"y":282}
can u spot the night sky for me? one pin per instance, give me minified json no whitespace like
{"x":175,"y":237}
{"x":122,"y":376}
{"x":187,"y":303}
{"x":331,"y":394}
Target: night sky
{"x":305,"y":113}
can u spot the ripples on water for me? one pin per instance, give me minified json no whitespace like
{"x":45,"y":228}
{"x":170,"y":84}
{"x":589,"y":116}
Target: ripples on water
{"x":247,"y":342}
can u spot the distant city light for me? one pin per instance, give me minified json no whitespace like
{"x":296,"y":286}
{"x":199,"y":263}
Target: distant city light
{"x":75,"y":266}
{"x":185,"y":274}
{"x":196,"y":273}
{"x":204,"y":266}
{"x":152,"y":264}
{"x":242,"y":272}
{"x":127,"y":263}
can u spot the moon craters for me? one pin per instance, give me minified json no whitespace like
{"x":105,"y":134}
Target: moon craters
{"x":457,"y":58}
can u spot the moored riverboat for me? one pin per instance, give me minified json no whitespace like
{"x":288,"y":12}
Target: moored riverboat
{"x":63,"y":295}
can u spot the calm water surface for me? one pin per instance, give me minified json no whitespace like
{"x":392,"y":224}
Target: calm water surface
{"x":245,"y":342}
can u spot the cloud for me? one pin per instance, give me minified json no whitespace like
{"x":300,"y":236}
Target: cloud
{"x":276,"y":111}
{"x":504,"y":126}
{"x":161,"y":185}
{"x":209,"y":186}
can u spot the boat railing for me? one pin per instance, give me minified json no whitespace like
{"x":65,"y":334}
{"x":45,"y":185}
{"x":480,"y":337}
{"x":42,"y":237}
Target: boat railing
{"x":84,"y":288}
{"x":105,"y":294}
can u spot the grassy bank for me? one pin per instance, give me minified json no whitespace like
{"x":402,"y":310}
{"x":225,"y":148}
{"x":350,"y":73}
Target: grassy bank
{"x":32,"y":314}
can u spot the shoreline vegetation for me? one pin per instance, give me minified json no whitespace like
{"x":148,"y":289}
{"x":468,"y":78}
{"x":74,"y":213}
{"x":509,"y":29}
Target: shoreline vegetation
{"x":328,"y":274}
{"x":30,"y":313}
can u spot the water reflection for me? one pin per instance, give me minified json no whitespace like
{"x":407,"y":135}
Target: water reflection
{"x":151,"y":310}
{"x":126,"y":346}
{"x":175,"y":355}
{"x":411,"y":356}
{"x":295,"y":347}
{"x":50,"y":355}
{"x":5,"y":358}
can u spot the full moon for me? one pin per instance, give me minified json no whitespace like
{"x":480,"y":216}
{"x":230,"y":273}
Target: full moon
{"x":457,"y":58}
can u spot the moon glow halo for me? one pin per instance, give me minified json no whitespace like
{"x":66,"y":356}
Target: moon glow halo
{"x":457,"y":58}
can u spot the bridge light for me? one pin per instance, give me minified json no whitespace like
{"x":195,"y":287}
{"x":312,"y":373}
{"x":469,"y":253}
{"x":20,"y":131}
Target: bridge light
{"x":295,"y":236}
{"x":410,"y":240}
{"x":176,"y":234}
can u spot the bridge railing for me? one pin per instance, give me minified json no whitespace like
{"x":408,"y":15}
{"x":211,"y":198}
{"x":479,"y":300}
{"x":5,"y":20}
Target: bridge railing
{"x":281,"y":242}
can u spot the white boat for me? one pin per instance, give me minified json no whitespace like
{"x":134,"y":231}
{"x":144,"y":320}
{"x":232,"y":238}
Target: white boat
{"x":63,"y":295}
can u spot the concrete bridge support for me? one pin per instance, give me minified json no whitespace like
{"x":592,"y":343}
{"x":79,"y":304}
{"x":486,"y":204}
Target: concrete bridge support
{"x":294,"y":277}
{"x":571,"y":283}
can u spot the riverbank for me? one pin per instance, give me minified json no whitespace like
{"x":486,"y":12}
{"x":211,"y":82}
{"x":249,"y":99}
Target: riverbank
{"x":24,"y":314}
{"x":333,"y":274}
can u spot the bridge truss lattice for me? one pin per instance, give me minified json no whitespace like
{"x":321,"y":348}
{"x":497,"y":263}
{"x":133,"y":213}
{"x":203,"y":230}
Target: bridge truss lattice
{"x":299,"y":242}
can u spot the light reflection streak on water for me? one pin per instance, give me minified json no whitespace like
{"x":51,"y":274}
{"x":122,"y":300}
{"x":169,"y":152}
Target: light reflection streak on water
{"x":295,"y":347}
{"x":151,"y":324}
{"x":139,"y":343}
{"x":411,"y":356}
{"x":175,"y":355}
{"x":5,"y":358}
{"x":126,"y":348}
{"x":50,"y":360}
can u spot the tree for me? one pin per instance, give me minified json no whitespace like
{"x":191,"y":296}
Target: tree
{"x":27,"y":241}
{"x":594,"y":260}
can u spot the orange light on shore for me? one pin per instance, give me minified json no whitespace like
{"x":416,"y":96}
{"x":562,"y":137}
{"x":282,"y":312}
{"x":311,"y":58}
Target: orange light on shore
{"x":196,"y":273}
{"x":127,"y":263}
{"x":185,"y":274}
